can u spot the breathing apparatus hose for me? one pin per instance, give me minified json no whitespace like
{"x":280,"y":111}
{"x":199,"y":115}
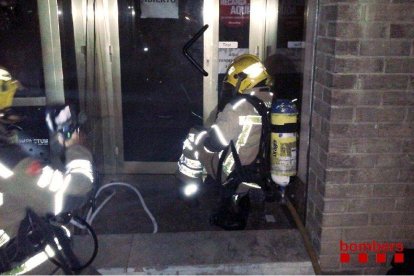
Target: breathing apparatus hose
{"x":308,"y":245}
{"x":95,"y":250}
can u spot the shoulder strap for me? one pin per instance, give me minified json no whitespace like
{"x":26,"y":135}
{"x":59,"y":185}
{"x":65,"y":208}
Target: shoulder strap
{"x":263,"y":155}
{"x":264,"y":112}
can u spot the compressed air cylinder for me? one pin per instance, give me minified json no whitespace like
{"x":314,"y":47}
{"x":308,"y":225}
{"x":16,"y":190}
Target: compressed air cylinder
{"x":284,"y":116}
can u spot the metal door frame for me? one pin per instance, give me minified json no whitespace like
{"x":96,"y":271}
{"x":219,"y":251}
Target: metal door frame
{"x":263,"y":29}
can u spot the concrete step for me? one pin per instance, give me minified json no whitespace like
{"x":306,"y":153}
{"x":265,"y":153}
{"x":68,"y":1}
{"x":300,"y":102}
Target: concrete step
{"x":278,"y":251}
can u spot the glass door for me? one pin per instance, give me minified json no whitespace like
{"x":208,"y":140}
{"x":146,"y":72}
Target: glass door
{"x":161,"y":91}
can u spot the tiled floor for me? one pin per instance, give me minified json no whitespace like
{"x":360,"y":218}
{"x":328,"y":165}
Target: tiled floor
{"x":124,"y":214}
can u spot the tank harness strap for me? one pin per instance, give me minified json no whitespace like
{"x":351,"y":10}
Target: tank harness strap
{"x":263,"y":153}
{"x":286,"y":128}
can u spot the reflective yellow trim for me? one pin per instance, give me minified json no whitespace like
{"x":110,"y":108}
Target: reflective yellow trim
{"x":200,"y":136}
{"x":81,"y":166}
{"x":251,"y":185}
{"x":45,"y":177}
{"x":57,"y":181}
{"x":6,"y":97}
{"x":220,"y":135}
{"x":5,"y":172}
{"x":189,"y":172}
{"x":59,"y":196}
{"x":282,"y":119}
{"x":236,"y":105}
{"x":4,"y":237}
{"x":191,"y":163}
{"x":250,"y":120}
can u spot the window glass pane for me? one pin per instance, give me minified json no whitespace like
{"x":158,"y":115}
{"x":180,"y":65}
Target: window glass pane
{"x":21,"y":51}
{"x":162,"y":92}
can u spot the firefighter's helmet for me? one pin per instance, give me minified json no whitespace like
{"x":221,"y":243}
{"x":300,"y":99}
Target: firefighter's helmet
{"x":8,"y":88}
{"x":246,"y":71}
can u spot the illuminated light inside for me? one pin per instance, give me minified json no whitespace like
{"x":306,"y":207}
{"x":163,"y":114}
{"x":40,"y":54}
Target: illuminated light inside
{"x":196,"y":155}
{"x":5,"y":172}
{"x":271,"y":94}
{"x":253,"y":93}
{"x":187,"y":18}
{"x":190,"y":189}
{"x":45,"y":177}
{"x":294,"y":100}
{"x":220,"y":135}
{"x":4,"y":237}
{"x":59,"y":12}
{"x":133,"y":13}
{"x":200,"y":136}
{"x":146,"y":49}
{"x":1,"y":199}
{"x":236,"y":105}
{"x":254,"y":70}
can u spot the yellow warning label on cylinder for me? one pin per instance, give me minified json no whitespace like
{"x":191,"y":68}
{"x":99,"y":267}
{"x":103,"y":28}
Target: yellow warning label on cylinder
{"x":282,"y":119}
{"x":283,"y":154}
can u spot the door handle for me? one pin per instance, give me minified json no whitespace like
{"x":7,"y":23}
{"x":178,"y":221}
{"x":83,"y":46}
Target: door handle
{"x":189,"y":44}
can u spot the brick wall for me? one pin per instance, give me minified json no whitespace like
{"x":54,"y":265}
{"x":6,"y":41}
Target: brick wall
{"x":361,"y":167}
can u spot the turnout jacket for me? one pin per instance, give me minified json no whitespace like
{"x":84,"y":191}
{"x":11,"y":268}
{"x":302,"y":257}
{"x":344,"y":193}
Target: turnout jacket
{"x":27,"y":183}
{"x":239,"y":122}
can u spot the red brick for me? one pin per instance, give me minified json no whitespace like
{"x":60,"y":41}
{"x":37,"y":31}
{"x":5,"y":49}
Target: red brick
{"x":384,"y":81}
{"x":389,"y":145}
{"x":374,"y":175}
{"x":390,"y":12}
{"x":359,"y":65}
{"x":384,"y":48}
{"x":338,"y":191}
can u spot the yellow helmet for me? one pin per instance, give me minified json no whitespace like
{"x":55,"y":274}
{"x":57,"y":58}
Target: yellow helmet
{"x":246,"y":72}
{"x":8,"y":88}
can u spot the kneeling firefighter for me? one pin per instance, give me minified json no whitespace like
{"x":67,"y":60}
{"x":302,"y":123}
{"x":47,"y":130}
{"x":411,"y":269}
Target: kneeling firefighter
{"x":234,"y":150}
{"x":32,"y":194}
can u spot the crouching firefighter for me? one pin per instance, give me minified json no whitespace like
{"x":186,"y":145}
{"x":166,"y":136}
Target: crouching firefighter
{"x":234,"y":150}
{"x":37,"y":199}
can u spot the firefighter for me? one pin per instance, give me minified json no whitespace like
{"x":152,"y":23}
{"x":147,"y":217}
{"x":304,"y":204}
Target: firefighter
{"x":232,"y":143}
{"x":28,"y":186}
